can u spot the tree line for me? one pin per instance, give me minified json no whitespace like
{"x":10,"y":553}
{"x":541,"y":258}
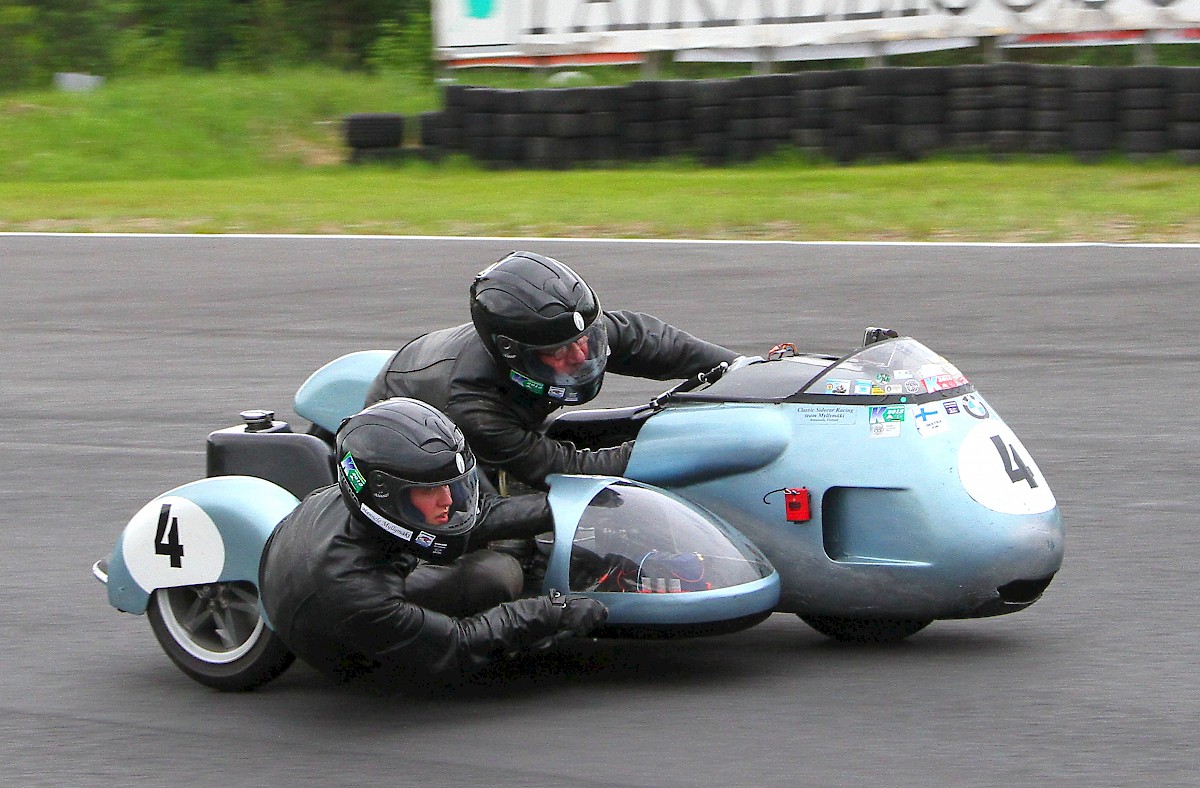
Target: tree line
{"x":128,"y":37}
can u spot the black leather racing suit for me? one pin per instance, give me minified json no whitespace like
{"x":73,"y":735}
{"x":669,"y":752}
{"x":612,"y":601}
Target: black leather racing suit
{"x":453,"y":371}
{"x":333,"y":587}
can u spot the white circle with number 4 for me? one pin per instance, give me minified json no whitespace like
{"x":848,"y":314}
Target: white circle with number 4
{"x":172,"y":542}
{"x":998,"y":472}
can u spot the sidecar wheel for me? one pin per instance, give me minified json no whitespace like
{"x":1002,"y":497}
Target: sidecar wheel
{"x":865,"y":630}
{"x":214,"y":634}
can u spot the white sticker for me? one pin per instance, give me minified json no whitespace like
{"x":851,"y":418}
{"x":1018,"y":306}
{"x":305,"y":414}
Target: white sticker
{"x":998,"y":472}
{"x":837,"y":386}
{"x":172,"y":542}
{"x":828,"y":414}
{"x":395,"y":529}
{"x":928,"y":418}
{"x":889,"y":429}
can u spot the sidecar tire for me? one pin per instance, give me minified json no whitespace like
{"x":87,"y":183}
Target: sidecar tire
{"x":190,"y":624}
{"x":865,"y":630}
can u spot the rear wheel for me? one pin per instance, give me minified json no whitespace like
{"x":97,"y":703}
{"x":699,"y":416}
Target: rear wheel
{"x":214,"y":634}
{"x":865,"y":630}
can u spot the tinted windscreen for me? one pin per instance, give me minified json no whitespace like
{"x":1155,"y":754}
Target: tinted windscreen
{"x":899,"y":366}
{"x":630,"y":539}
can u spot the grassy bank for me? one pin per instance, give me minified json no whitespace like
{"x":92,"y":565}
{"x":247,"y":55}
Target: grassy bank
{"x":236,"y":153}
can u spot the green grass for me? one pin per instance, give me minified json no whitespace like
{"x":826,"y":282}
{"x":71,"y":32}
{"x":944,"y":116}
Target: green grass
{"x":237,"y":153}
{"x":193,"y":126}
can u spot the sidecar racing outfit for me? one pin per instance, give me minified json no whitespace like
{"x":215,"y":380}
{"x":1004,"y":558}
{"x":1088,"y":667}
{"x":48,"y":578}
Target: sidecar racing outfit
{"x":501,"y":411}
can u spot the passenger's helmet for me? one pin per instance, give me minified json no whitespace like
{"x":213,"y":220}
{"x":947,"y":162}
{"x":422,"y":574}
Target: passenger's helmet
{"x":542,"y":323}
{"x":405,"y":467}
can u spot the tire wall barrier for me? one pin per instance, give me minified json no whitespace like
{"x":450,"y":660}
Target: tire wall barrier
{"x":888,"y":113}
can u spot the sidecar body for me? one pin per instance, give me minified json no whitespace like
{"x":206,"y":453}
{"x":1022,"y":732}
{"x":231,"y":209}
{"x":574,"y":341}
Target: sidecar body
{"x":881,"y":485}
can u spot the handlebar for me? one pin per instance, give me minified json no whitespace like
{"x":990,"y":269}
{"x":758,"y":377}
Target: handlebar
{"x":690,"y":384}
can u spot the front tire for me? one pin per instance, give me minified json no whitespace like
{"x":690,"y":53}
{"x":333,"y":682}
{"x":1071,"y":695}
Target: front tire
{"x":214,"y":634}
{"x":865,"y":630}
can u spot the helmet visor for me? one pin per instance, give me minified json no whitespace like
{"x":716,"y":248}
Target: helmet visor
{"x":450,"y":507}
{"x":576,"y":362}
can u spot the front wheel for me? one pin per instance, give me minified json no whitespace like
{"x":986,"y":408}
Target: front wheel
{"x":865,"y":630}
{"x":214,"y":634}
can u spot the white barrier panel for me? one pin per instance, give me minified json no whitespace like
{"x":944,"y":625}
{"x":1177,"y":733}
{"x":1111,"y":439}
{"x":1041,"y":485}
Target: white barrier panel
{"x":612,"y":30}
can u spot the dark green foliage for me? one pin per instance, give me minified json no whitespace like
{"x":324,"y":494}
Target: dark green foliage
{"x":21,"y":54}
{"x":115,"y":37}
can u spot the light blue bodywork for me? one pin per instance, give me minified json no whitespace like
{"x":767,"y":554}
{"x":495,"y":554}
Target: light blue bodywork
{"x":337,"y":390}
{"x":245,"y":510}
{"x":893,"y":533}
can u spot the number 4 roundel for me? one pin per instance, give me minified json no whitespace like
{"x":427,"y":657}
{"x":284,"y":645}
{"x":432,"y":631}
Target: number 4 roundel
{"x":998,"y":471}
{"x":172,"y":542}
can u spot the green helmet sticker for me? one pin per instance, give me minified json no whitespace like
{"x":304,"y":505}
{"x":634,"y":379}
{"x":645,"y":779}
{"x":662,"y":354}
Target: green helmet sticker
{"x":352,"y":475}
{"x":526,"y":383}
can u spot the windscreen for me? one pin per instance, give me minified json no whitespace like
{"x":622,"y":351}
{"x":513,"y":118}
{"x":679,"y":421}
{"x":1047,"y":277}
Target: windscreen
{"x":893,"y":367}
{"x":635,"y":540}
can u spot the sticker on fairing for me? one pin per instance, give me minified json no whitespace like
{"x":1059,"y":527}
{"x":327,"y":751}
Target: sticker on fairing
{"x":999,"y":473}
{"x":837,"y":386}
{"x":928,"y":419}
{"x":172,"y":542}
{"x":885,"y":421}
{"x":828,"y":414}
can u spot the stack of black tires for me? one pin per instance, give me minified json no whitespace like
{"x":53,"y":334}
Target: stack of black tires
{"x":374,"y":136}
{"x":888,"y":113}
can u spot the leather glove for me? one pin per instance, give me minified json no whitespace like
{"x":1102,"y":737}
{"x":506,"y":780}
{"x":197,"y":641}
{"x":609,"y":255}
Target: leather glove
{"x":580,"y":614}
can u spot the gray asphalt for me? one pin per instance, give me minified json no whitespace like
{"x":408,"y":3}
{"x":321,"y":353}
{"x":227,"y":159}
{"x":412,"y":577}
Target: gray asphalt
{"x":119,"y":355}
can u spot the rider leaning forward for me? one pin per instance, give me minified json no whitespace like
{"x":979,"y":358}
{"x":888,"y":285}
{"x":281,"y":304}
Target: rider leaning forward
{"x":538,"y":340}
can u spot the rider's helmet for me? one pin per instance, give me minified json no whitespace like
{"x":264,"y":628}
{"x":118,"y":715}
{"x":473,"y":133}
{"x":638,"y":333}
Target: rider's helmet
{"x":405,"y":467}
{"x":542,"y":323}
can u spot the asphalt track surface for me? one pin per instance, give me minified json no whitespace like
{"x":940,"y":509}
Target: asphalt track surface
{"x":119,"y":355}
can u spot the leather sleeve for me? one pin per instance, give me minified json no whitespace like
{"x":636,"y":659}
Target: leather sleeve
{"x":644,"y":346}
{"x":518,"y":517}
{"x":402,"y":633}
{"x":498,"y":437}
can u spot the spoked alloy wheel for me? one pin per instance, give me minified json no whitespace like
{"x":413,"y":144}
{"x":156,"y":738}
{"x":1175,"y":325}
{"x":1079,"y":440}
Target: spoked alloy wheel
{"x":865,"y":630}
{"x":214,"y":634}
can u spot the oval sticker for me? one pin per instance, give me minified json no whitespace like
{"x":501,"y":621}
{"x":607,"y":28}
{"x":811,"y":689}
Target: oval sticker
{"x":998,"y":472}
{"x":172,"y":542}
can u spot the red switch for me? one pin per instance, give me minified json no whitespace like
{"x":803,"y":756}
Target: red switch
{"x":795,"y":502}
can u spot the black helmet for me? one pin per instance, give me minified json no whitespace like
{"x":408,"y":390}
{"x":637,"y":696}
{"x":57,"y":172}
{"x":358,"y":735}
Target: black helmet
{"x":542,"y":322}
{"x":405,"y":467}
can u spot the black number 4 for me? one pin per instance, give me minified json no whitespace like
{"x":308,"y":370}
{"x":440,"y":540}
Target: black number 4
{"x":1014,"y":466}
{"x":167,"y":543}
